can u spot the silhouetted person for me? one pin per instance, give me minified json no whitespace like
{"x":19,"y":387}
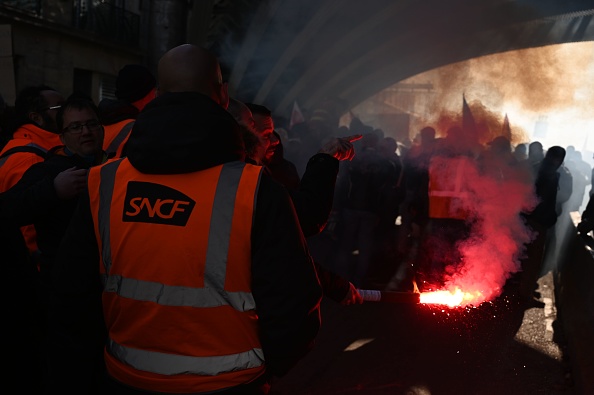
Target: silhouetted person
{"x":521,"y":152}
{"x":359,"y":195}
{"x":541,"y":219}
{"x":580,"y":174}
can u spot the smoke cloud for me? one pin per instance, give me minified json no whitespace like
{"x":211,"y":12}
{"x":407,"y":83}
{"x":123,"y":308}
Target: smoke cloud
{"x":498,"y":235}
{"x":550,"y":82}
{"x":555,"y":83}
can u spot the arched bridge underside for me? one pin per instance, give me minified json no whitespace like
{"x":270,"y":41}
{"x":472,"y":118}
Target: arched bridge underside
{"x":310,"y":50}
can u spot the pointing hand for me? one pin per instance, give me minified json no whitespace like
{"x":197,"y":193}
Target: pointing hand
{"x":341,"y":148}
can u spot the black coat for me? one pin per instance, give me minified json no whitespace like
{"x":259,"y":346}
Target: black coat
{"x":313,"y":199}
{"x":546,"y":187}
{"x":23,"y":315}
{"x":33,"y":200}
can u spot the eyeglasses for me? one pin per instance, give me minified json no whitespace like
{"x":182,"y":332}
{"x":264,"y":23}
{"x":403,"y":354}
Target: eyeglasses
{"x":92,"y":125}
{"x":53,"y":107}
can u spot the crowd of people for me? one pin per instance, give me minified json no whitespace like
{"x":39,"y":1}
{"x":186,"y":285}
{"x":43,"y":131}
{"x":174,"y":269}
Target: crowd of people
{"x":399,"y":215}
{"x":176,"y":240}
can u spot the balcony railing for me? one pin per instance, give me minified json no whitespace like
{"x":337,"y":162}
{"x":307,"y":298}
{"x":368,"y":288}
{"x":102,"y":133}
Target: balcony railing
{"x":29,"y":6}
{"x":98,"y":17}
{"x":108,"y":21}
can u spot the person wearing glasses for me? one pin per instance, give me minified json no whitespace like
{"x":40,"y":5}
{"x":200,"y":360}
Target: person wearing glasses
{"x":47,"y":192}
{"x":47,"y":195}
{"x":35,"y":132}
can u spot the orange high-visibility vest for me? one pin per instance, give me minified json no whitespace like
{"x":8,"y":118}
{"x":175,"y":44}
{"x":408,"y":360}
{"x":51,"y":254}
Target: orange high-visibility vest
{"x":12,"y":167}
{"x":116,"y":136}
{"x":176,"y":263}
{"x":448,"y":192}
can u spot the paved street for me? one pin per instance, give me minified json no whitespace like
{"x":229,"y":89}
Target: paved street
{"x":378,"y":348}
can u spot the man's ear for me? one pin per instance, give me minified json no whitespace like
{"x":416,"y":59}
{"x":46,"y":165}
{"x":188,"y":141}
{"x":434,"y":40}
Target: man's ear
{"x":36,"y":118}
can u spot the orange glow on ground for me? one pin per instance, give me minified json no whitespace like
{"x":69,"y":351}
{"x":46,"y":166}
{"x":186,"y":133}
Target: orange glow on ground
{"x":453,"y":298}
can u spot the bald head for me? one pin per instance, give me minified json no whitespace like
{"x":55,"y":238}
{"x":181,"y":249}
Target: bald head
{"x":189,"y":68}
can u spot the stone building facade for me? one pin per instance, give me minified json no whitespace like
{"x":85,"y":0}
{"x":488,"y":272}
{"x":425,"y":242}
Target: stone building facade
{"x":79,"y":45}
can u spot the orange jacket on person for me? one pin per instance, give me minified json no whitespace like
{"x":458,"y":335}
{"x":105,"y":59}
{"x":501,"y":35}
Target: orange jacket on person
{"x":180,"y":318}
{"x":13,"y":166}
{"x":449,"y":196}
{"x":116,"y":136}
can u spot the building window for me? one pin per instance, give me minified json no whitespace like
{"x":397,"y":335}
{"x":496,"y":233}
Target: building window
{"x":107,"y":87}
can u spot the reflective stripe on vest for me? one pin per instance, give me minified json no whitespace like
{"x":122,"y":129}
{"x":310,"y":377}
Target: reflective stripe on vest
{"x":169,"y":364}
{"x":168,"y":295}
{"x":235,"y":179}
{"x":122,"y":135}
{"x":35,"y":149}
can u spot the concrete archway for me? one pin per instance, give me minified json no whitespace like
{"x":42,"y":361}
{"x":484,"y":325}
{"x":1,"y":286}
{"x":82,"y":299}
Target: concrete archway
{"x":311,"y":50}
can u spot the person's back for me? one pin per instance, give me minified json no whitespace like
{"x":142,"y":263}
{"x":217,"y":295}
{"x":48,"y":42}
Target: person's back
{"x":565,"y":188}
{"x":547,"y":187}
{"x":359,"y":196}
{"x":135,"y":88}
{"x":535,"y":156}
{"x":521,"y":152}
{"x":394,"y":189}
{"x":202,"y":291}
{"x":416,"y":175}
{"x":580,"y":177}
{"x":368,"y":177}
{"x":541,"y":219}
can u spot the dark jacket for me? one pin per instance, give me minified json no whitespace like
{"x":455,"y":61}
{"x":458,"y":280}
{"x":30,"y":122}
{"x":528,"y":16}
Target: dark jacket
{"x":23,"y":315}
{"x":546,"y":187}
{"x":33,"y":200}
{"x":186,"y":132}
{"x":365,"y":183}
{"x":282,"y":170}
{"x":313,"y":198}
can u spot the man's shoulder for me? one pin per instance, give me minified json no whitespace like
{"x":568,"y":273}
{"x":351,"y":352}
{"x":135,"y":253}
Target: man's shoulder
{"x":20,"y":155}
{"x":15,"y":142}
{"x":22,"y":146}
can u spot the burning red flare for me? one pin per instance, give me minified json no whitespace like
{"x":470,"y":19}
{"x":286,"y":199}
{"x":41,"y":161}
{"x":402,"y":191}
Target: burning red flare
{"x":451,"y":298}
